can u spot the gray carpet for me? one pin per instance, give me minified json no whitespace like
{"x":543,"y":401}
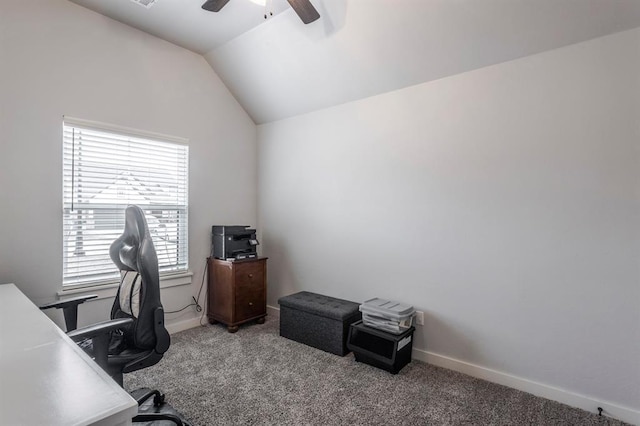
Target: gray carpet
{"x":257,"y":377}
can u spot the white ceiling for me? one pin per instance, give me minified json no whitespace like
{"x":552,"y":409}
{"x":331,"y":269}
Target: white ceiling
{"x":359,"y":48}
{"x":185,"y":23}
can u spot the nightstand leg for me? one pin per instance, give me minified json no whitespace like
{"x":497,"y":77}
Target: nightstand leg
{"x":232,"y":328}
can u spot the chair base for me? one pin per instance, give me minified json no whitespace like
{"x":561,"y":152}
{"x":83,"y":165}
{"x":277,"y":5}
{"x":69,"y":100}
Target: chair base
{"x":152,"y":410}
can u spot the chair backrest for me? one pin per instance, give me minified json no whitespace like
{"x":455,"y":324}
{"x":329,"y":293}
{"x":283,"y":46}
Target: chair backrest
{"x":139,"y":292}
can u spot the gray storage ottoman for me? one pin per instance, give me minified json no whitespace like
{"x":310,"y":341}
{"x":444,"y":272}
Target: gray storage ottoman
{"x":319,"y":321}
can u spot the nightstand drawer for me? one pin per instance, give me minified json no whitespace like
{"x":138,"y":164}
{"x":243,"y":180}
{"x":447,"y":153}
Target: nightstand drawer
{"x":250,"y":304}
{"x":249,"y":276}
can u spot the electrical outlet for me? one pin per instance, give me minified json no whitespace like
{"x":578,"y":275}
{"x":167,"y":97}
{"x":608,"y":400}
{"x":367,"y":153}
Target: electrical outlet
{"x":419,"y":318}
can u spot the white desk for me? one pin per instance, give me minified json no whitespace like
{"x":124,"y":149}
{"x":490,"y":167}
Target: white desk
{"x":45,"y":378}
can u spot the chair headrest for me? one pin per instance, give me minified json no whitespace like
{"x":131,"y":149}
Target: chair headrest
{"x":124,"y":250}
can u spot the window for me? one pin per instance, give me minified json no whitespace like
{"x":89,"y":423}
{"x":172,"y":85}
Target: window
{"x":106,"y":168}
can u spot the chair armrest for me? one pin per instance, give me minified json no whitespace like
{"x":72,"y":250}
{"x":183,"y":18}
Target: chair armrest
{"x":95,"y":330}
{"x":61,"y":304}
{"x":100,"y":334}
{"x":69,"y":308}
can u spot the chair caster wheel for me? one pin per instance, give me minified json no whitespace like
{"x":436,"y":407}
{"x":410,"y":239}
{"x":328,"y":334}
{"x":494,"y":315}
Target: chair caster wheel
{"x":158,"y":399}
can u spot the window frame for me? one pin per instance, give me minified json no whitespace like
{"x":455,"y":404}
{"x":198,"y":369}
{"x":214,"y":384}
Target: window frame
{"x":170,"y":278}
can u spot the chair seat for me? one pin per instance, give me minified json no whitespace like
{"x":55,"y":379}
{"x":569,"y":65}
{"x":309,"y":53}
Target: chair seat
{"x":127,"y":356}
{"x":118,"y":357}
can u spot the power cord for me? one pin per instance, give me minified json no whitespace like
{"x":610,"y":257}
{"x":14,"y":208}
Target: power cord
{"x":195,"y":303}
{"x":195,"y":299}
{"x":204,"y":274}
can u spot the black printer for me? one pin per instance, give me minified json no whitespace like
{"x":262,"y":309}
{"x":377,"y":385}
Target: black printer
{"x":233,"y":242}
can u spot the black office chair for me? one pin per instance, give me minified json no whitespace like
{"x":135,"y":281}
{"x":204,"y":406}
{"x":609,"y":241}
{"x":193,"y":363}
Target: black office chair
{"x":135,"y":337}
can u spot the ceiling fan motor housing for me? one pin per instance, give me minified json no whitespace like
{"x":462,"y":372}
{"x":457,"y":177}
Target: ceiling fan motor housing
{"x":303,"y":8}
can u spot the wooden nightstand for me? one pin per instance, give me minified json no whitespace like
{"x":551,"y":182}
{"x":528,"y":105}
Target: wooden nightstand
{"x":237,"y":291}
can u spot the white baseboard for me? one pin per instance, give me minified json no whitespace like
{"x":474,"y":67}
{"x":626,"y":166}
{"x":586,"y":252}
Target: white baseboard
{"x":545,"y":391}
{"x":177,"y":326}
{"x":273,"y":311}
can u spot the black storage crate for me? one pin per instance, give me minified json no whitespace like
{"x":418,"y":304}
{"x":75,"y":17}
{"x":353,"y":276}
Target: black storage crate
{"x":384,"y":350}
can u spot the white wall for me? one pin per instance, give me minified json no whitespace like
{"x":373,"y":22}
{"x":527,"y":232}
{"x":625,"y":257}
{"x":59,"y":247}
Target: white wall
{"x":503,"y":202}
{"x":57,"y":58}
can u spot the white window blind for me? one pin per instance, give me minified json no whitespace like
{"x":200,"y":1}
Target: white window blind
{"x":106,"y":168}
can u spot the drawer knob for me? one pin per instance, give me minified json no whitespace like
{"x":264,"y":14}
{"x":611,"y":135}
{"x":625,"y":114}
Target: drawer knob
{"x":250,"y":275}
{"x":250,"y":303}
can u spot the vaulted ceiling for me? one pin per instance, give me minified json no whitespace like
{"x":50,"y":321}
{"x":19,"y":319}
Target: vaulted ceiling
{"x":185,"y":23}
{"x":279,"y":67}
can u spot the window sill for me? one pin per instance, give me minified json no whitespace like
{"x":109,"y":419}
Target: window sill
{"x":109,"y":289}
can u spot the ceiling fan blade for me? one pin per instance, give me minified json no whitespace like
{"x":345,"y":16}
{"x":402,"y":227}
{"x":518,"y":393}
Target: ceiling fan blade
{"x":214,"y":5}
{"x":305,"y":10}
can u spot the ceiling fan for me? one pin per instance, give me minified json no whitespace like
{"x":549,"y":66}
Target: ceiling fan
{"x":303,"y":8}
